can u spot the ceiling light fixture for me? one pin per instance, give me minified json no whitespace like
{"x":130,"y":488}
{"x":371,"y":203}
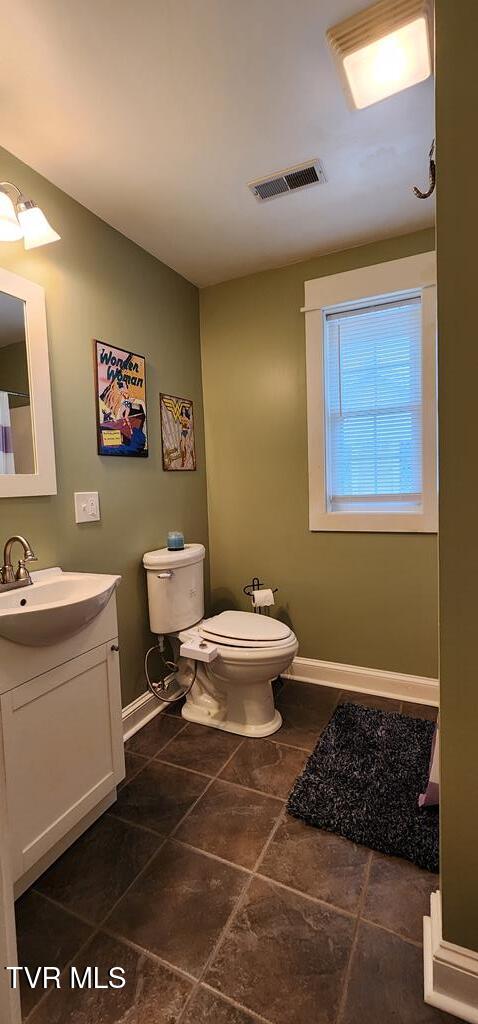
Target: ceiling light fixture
{"x":22,"y":218}
{"x":384,"y":49}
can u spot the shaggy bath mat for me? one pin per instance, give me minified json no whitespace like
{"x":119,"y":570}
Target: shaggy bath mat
{"x":363,"y":781}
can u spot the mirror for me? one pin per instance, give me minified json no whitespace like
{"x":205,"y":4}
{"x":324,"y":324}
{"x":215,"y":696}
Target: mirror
{"x":16,"y":431}
{"x":27,"y":457}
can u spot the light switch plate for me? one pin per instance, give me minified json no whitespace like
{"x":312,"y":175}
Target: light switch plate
{"x":87,"y":507}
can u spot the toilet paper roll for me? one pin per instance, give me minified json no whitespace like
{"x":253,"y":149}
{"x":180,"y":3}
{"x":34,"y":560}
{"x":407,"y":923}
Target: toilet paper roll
{"x":262,"y":598}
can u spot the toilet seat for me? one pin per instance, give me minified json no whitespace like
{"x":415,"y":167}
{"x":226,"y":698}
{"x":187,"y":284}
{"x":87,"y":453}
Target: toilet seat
{"x":246,"y":630}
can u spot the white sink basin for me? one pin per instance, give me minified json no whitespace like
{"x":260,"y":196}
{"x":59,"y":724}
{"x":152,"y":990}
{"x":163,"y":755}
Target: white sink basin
{"x":56,"y":605}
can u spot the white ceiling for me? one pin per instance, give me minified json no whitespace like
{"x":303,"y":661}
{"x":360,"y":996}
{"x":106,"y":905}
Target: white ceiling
{"x":156,"y":113}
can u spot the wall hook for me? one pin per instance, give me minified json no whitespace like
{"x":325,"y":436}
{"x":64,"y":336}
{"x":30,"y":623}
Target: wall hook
{"x":431,"y":176}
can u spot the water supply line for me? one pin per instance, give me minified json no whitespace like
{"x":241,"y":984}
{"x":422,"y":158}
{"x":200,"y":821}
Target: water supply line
{"x":159,"y":688}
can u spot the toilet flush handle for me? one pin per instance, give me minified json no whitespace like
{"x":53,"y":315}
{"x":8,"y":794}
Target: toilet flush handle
{"x":165,"y":575}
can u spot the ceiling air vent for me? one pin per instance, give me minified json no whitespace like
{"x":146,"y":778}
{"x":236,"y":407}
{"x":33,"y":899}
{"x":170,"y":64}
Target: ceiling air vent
{"x":310,"y":173}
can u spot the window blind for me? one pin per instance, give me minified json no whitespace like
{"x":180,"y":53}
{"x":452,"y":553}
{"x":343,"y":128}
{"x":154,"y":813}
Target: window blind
{"x":373,"y":392}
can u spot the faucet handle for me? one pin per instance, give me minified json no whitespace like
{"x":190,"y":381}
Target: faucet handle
{"x":22,"y":571}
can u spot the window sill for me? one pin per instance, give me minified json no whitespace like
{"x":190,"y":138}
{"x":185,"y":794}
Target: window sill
{"x":373,"y":522}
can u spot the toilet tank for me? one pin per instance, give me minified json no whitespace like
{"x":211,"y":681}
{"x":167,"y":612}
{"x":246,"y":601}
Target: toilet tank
{"x":175,"y":587}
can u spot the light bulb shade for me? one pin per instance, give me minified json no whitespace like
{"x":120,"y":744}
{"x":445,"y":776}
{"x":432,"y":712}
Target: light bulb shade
{"x":10,"y":229}
{"x":35,"y":227}
{"x":383,"y":49}
{"x":390,"y":64}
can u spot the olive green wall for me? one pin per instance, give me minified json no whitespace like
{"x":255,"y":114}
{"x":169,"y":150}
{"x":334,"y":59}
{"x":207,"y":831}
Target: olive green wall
{"x":457,"y":229}
{"x":364,"y":599}
{"x":14,"y":372}
{"x":99,"y":284}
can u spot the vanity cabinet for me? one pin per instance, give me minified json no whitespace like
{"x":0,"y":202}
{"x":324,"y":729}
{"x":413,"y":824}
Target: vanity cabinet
{"x":63,"y":749}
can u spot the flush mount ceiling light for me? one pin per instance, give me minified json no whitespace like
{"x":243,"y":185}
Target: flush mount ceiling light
{"x":22,"y":218}
{"x":384,"y":49}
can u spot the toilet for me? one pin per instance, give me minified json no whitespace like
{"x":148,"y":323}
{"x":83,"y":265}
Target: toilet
{"x":235,"y":654}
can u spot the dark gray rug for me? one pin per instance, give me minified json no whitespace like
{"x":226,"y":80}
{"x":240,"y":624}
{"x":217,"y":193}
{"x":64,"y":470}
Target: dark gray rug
{"x":363,"y":781}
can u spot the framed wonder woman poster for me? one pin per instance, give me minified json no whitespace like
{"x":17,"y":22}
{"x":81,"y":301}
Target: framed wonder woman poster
{"x":120,"y":401}
{"x":177,"y":433}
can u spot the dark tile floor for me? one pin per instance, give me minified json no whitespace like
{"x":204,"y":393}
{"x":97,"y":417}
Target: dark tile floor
{"x":220,"y":907}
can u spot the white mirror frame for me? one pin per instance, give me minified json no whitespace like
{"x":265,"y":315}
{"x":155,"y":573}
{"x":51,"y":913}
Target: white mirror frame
{"x":43,"y":481}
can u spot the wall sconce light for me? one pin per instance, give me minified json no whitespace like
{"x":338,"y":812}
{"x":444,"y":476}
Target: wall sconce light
{"x":22,"y":218}
{"x":384,"y":49}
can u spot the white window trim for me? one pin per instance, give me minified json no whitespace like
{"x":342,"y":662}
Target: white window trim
{"x":414,"y":273}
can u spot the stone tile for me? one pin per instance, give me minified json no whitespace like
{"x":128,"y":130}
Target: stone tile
{"x":318,"y":863}
{"x":201,"y":748}
{"x":231,"y":822}
{"x":398,"y":895}
{"x":284,"y":957}
{"x":179,"y":906}
{"x":133,"y":764}
{"x":386,"y":982}
{"x":306,"y":710}
{"x":368,"y":700}
{"x":420,"y":711}
{"x":266,"y":766}
{"x":309,"y":694}
{"x":152,"y":992}
{"x":301,"y":727}
{"x":208,"y":1008}
{"x":46,"y":934}
{"x":96,"y":870}
{"x":153,"y":737}
{"x":159,"y":796}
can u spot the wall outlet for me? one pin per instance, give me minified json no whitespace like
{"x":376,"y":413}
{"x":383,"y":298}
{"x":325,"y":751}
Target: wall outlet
{"x":87,"y":507}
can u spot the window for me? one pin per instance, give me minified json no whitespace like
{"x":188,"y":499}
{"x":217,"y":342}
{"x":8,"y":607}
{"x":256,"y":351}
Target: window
{"x":373,"y":406}
{"x":371,"y":371}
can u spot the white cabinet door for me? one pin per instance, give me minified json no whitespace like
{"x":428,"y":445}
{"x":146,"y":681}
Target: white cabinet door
{"x":63,"y":746}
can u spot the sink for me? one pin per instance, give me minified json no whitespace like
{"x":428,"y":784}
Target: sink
{"x":56,"y":605}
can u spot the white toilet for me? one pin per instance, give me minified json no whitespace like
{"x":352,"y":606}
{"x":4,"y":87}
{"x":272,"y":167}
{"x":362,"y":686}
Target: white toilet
{"x":237,"y":654}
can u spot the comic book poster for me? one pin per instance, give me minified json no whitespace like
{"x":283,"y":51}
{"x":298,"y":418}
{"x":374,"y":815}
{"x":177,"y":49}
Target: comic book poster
{"x":120,"y":401}
{"x":177,"y":433}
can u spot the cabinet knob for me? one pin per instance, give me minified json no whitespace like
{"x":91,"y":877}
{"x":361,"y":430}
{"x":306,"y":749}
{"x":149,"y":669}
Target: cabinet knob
{"x":114,"y":647}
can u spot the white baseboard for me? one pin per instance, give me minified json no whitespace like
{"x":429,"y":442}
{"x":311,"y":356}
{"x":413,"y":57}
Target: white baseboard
{"x":139,"y":712}
{"x":451,"y":972}
{"x":416,"y":689}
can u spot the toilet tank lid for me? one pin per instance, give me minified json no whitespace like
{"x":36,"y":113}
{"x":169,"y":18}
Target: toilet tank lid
{"x":162,"y":558}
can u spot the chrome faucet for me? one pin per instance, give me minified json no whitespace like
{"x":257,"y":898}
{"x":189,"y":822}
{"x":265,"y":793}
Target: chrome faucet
{"x":20,"y":578}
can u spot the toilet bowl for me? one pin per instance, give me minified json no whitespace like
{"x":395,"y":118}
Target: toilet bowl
{"x":233,"y":690}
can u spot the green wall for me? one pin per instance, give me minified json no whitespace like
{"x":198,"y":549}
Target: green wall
{"x":364,"y":599}
{"x":99,"y":284}
{"x":14,"y":372}
{"x":457,"y":229}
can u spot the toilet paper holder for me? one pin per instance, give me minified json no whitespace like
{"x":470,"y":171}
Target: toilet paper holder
{"x":257,"y":584}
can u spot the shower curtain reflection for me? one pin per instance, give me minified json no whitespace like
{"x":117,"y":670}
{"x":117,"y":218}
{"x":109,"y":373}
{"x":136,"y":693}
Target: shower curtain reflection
{"x":7,"y":461}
